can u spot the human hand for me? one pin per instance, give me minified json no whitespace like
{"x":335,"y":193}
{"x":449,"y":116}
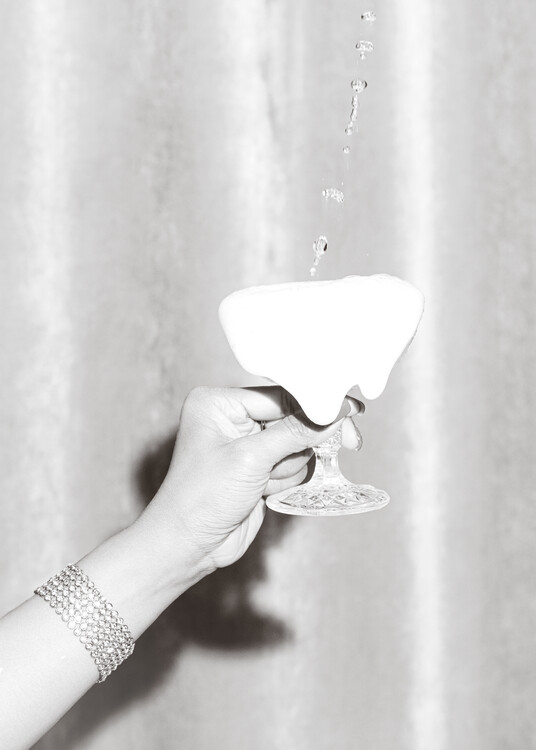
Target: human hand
{"x":223,"y":466}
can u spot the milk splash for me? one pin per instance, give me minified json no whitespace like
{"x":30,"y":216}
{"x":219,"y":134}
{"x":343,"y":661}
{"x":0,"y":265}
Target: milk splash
{"x":364,"y":47}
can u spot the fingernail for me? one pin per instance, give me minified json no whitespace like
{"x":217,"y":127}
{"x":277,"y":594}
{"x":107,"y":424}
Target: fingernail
{"x":356,"y":407}
{"x":346,"y":408}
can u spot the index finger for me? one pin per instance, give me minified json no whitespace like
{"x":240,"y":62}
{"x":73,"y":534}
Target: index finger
{"x":267,"y":403}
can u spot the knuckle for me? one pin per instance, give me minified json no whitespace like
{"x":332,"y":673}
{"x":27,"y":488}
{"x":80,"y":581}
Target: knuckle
{"x":199,"y":398}
{"x":295,"y":428}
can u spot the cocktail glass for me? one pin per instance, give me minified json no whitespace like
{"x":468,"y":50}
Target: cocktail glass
{"x":318,"y":339}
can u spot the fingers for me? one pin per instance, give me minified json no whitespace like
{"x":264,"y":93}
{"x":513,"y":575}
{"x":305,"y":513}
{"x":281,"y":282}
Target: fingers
{"x":290,"y":435}
{"x":290,"y":465}
{"x":268,"y":403}
{"x":351,"y":440}
{"x":356,"y":406}
{"x":351,"y":437}
{"x":234,"y":546}
{"x":279,"y":485}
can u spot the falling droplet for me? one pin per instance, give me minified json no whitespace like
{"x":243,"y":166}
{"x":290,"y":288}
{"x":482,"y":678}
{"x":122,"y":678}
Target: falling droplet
{"x":368,"y":16}
{"x":320,"y":247}
{"x":349,"y":128}
{"x":346,"y":150}
{"x":364,"y":47}
{"x":334,"y":193}
{"x":359,"y":86}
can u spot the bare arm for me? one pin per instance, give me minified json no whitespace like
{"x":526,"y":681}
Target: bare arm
{"x":44,"y":667}
{"x":204,"y":516}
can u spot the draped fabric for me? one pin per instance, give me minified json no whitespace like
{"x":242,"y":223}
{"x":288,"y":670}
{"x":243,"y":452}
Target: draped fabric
{"x":157,"y":155}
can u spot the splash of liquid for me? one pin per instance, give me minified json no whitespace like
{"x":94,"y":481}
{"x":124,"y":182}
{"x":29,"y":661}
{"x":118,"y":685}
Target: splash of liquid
{"x":359,"y":86}
{"x":369,"y":16}
{"x":364,"y":48}
{"x":334,"y":194}
{"x":320,"y":247}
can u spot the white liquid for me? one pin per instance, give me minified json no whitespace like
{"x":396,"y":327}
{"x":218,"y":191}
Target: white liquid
{"x":319,"y":339}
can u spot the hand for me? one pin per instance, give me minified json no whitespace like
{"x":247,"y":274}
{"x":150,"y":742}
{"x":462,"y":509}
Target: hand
{"x":224,"y":465}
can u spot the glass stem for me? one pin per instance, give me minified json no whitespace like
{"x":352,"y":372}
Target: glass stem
{"x":327,"y":461}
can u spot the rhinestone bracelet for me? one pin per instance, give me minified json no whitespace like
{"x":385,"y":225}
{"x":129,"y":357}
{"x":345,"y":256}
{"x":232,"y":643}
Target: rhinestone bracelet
{"x":91,"y":618}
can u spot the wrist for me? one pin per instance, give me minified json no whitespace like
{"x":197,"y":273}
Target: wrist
{"x":141,"y":571}
{"x":170,"y":550}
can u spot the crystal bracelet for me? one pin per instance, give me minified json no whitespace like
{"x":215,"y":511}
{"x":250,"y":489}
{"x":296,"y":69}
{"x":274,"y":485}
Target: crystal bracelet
{"x":91,"y":618}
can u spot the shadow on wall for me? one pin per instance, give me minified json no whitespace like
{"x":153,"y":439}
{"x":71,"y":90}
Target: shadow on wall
{"x":216,"y":613}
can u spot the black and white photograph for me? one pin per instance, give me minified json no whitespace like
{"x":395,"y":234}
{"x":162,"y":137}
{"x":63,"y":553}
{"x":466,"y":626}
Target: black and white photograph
{"x":267,"y":373}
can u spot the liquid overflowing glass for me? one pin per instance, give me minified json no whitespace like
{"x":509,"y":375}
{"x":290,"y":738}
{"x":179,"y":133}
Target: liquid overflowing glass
{"x":317,"y":341}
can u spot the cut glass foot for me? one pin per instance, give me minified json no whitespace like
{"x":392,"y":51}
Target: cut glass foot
{"x":315,"y":499}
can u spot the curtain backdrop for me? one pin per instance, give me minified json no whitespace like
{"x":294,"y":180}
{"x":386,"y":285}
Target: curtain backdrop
{"x":155,"y":156}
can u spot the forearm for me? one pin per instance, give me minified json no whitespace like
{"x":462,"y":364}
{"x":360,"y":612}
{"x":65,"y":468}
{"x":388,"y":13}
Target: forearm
{"x":44,"y":669}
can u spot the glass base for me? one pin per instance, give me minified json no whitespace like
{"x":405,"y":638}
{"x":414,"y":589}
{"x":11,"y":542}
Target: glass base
{"x":324,"y":499}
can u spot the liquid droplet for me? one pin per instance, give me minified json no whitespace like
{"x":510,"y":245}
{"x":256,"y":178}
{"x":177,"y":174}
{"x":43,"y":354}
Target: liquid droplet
{"x":346,"y":150}
{"x":364,"y":47}
{"x":368,"y":16}
{"x":349,"y":128}
{"x":320,"y":247}
{"x":359,"y":86}
{"x":334,"y":194}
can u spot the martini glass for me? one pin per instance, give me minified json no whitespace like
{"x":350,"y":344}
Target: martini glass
{"x":317,"y":339}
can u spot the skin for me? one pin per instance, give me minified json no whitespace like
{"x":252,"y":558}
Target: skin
{"x":205,"y":515}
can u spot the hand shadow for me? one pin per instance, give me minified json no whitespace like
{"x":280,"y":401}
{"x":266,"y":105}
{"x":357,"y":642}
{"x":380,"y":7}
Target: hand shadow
{"x":216,"y":613}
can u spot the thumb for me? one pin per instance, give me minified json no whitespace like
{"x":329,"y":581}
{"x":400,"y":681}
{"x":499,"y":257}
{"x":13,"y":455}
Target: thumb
{"x":293,"y":435}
